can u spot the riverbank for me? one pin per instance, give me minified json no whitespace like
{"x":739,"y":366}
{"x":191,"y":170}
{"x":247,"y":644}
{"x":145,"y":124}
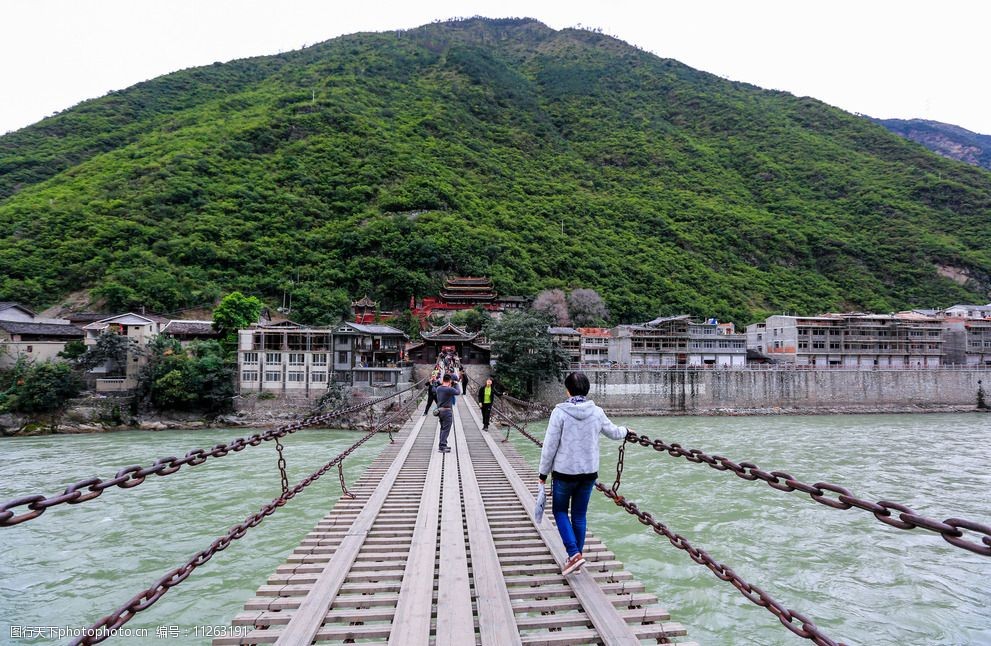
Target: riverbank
{"x":103,"y":415}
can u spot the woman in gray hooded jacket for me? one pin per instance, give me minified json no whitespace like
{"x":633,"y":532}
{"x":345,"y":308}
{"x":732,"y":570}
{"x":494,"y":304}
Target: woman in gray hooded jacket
{"x":571,"y":455}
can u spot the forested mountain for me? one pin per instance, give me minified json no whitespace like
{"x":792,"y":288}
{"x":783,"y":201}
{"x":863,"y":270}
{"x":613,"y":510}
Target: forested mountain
{"x":378,"y":162}
{"x":944,"y":139}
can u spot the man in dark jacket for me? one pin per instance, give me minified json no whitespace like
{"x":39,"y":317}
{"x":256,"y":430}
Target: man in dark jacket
{"x":486,"y":396}
{"x":445,"y":411}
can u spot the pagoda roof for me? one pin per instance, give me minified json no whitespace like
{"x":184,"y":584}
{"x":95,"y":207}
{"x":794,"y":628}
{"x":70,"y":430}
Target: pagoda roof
{"x":468,"y":280}
{"x":364,"y":302}
{"x":449,"y":332}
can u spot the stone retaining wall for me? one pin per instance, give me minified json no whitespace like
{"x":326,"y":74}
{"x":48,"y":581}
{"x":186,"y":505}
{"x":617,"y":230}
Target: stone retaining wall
{"x":708,"y":391}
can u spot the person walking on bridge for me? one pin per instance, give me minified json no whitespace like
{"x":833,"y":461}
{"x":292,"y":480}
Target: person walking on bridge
{"x":486,"y":395}
{"x":571,"y":455}
{"x":445,"y":411}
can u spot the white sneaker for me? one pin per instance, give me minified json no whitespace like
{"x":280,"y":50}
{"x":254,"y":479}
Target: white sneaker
{"x":572,"y":564}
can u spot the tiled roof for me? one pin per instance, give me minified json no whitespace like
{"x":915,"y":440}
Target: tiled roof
{"x":374,"y":329}
{"x":41,"y":329}
{"x":561,"y":331}
{"x":197,"y":328}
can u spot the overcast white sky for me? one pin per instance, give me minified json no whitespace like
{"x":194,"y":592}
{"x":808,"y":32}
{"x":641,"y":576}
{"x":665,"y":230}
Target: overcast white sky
{"x":885,"y":58}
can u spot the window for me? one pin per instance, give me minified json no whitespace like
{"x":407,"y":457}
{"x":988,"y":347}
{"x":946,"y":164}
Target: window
{"x":250,"y":357}
{"x":273,"y":357}
{"x":296,"y":359}
{"x":273,"y":375}
{"x":30,"y":349}
{"x":249,"y":375}
{"x":342,"y":357}
{"x":320,"y":359}
{"x":295,"y":375}
{"x":834,"y":346}
{"x":318,"y":377}
{"x":818,"y":344}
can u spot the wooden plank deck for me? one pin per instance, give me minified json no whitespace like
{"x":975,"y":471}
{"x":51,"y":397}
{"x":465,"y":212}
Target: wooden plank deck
{"x":442,"y":549}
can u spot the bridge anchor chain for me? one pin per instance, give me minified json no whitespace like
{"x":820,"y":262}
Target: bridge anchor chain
{"x":620,"y":464}
{"x":282,"y":470}
{"x":344,"y":487}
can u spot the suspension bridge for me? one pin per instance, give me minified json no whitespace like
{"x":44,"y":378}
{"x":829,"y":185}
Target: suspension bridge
{"x":442,"y":548}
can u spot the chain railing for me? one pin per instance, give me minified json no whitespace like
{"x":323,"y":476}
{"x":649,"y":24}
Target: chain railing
{"x":805,"y":628}
{"x":950,"y":529}
{"x":134,"y":475}
{"x":105,"y":627}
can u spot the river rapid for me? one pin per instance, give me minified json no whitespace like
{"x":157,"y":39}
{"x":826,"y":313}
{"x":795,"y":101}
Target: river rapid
{"x":861,"y":581}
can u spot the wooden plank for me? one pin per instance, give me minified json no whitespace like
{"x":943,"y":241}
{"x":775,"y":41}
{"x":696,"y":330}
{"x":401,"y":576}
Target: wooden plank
{"x":611,"y":627}
{"x":496,"y":617}
{"x":416,"y":594}
{"x":455,"y":617}
{"x":303,"y":627}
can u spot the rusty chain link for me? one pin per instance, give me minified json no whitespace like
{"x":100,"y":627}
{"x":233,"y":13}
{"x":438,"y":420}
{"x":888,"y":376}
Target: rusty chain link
{"x":950,"y":529}
{"x":134,"y":475}
{"x":804,"y":628}
{"x":103,"y":628}
{"x":282,"y":467}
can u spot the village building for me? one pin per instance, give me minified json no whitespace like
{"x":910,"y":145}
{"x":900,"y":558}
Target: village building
{"x":373,"y":354}
{"x":140,"y":328}
{"x":285,"y":358}
{"x":676,"y":341}
{"x":852,"y":340}
{"x":966,"y":334}
{"x":292,"y":359}
{"x":594,"y":345}
{"x":187,"y":331}
{"x":569,"y":342}
{"x":24,"y":334}
{"x":471,"y":347}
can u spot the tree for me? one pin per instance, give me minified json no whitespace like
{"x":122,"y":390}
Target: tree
{"x":524,"y":351}
{"x":37,"y":388}
{"x":74,"y":351}
{"x":195,"y":379}
{"x":476,"y":319}
{"x":587,"y":308}
{"x":235,"y":311}
{"x":111,"y":349}
{"x":408,"y":323}
{"x":554,"y":304}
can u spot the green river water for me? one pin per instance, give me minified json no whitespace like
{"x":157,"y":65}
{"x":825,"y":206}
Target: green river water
{"x":862,"y":582}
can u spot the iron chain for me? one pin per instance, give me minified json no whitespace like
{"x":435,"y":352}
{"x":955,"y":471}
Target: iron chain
{"x":833,"y":495}
{"x":804,"y":628}
{"x":792,"y":620}
{"x":144,"y":599}
{"x":134,"y":475}
{"x":282,"y":467}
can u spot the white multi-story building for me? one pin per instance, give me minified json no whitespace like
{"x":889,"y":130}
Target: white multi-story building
{"x":851,"y":340}
{"x":292,"y":359}
{"x":676,"y":341}
{"x":595,"y":344}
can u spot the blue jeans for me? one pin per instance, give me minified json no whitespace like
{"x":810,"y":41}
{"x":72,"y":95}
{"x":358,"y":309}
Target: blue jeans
{"x":574,"y":495}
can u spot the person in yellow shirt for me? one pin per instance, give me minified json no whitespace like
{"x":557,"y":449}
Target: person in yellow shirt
{"x":486,"y":395}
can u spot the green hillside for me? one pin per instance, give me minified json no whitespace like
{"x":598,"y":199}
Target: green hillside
{"x":379,"y":162}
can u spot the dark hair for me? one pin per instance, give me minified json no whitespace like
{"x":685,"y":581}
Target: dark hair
{"x":447,"y":379}
{"x":577,"y":384}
